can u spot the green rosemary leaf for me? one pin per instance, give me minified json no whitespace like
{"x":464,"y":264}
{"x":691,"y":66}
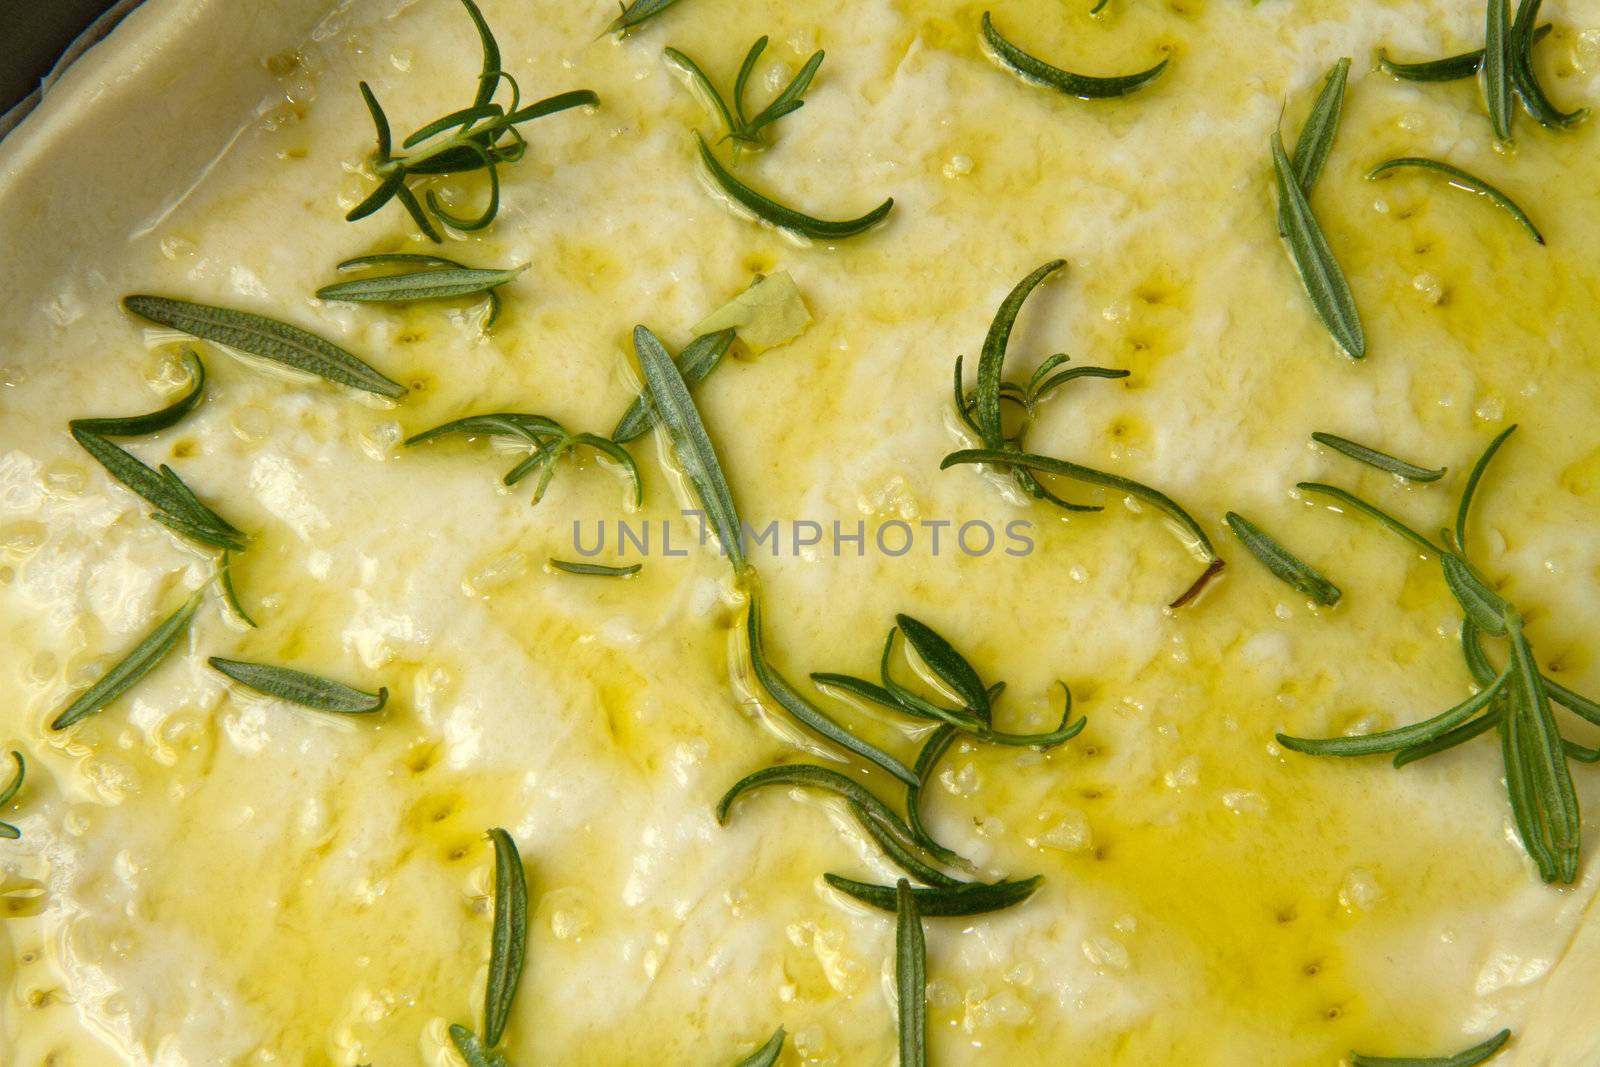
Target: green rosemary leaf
{"x":144,"y":658}
{"x":674,"y":408}
{"x":503,"y":423}
{"x":1451,"y":68}
{"x":1525,"y":813}
{"x":701,"y":83}
{"x":637,"y":12}
{"x":7,"y":831}
{"x":552,"y":105}
{"x":933,"y":750}
{"x":268,"y":338}
{"x":1074,"y":374}
{"x":1381,"y":460}
{"x":1286,"y":566}
{"x":970,"y":898}
{"x":1485,"y":608}
{"x":1350,"y":500}
{"x":1315,"y":143}
{"x":1462,"y":180}
{"x":873,"y":814}
{"x":911,"y":978}
{"x":1464,"y":510}
{"x":742,"y":80}
{"x":1497,"y":63}
{"x":455,"y":120}
{"x":787,"y":218}
{"x":859,"y":687}
{"x":697,"y":360}
{"x":380,"y":123}
{"x":413,"y":207}
{"x":597,"y":570}
{"x":767,"y":1054}
{"x":1082,"y":86}
{"x":298,"y":687}
{"x":176,"y":506}
{"x":1470,"y":1058}
{"x":489,"y":77}
{"x":230,"y":596}
{"x":1552,"y":779}
{"x":943,"y":660}
{"x":991,"y":363}
{"x":477,"y":222}
{"x":156,"y":421}
{"x":509,"y":943}
{"x":962,"y":718}
{"x":1067,"y":469}
{"x":1524,"y":81}
{"x":1403,"y":737}
{"x":420,"y":285}
{"x":471,"y":1049}
{"x":1319,"y":272}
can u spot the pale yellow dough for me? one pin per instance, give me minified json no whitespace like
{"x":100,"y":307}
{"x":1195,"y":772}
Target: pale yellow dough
{"x":206,"y":878}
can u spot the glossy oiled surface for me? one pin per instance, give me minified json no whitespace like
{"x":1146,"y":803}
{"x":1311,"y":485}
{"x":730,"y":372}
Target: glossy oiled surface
{"x":205,"y":877}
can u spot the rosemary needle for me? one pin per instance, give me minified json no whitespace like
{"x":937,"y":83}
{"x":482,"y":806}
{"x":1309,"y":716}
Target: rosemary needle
{"x":767,"y":1054}
{"x":596,"y":570}
{"x":268,"y":338}
{"x":508,"y":944}
{"x":144,"y":658}
{"x":9,"y":793}
{"x":1469,"y":1058}
{"x":1319,"y":272}
{"x":1287,"y":567}
{"x":1083,"y":86}
{"x":971,"y":898}
{"x":636,"y":13}
{"x":787,"y":218}
{"x":1450,"y":68}
{"x":1462,"y":180}
{"x":911,"y":978}
{"x":1411,"y":472}
{"x":298,"y":687}
{"x":1496,"y":71}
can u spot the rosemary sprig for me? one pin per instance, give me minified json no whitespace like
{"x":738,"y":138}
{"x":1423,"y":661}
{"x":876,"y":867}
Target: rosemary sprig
{"x":1450,"y":68}
{"x":176,"y":505}
{"x":781,"y":216}
{"x":969,"y":898}
{"x":1462,"y":180}
{"x":1315,"y":143}
{"x":1517,"y":700}
{"x":1496,"y":71}
{"x":1319,"y":272}
{"x":1469,"y":1058}
{"x":1285,"y":565}
{"x":981,"y":412}
{"x":230,"y":596}
{"x":482,"y":136}
{"x":1082,"y":86}
{"x":9,"y":793}
{"x":1411,"y":472}
{"x":767,"y":1054}
{"x":143,"y":659}
{"x":1524,"y":81}
{"x":697,"y":360}
{"x":743,"y":130}
{"x":438,"y":279}
{"x":549,"y":440}
{"x":637,"y":12}
{"x":268,"y":338}
{"x":298,"y":687}
{"x":674,"y":409}
{"x":596,"y":570}
{"x":911,"y":978}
